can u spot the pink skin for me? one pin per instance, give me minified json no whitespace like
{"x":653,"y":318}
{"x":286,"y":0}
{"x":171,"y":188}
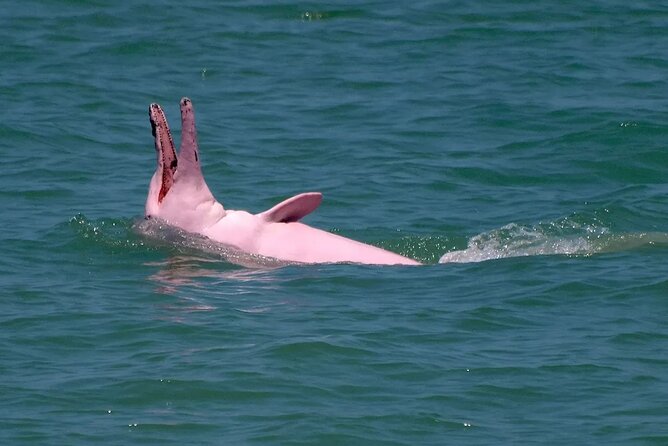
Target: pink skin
{"x":179,"y":195}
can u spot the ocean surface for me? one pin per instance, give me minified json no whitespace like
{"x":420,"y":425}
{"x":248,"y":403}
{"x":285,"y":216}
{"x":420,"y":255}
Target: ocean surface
{"x":525,"y":144}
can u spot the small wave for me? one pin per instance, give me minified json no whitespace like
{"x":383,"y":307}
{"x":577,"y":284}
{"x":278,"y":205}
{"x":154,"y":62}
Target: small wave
{"x":568,"y":236}
{"x":110,"y":232}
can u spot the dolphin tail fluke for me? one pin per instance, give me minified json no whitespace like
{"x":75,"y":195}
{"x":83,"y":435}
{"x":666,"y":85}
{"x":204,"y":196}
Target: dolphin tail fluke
{"x":189,"y":152}
{"x":164,"y":147}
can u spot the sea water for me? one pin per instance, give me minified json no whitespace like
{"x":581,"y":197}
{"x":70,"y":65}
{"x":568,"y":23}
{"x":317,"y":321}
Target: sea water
{"x":523,"y":144}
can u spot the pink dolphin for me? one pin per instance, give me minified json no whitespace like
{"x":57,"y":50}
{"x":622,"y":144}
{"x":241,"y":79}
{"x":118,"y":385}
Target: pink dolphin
{"x":179,"y":195}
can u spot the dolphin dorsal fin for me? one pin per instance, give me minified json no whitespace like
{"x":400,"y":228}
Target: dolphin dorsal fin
{"x":294,"y":208}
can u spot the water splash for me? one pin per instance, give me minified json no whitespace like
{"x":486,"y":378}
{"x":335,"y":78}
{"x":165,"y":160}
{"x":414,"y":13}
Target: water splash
{"x":112,"y":233}
{"x":567,"y":236}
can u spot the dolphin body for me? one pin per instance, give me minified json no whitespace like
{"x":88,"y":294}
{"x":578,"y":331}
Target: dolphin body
{"x":179,"y":195}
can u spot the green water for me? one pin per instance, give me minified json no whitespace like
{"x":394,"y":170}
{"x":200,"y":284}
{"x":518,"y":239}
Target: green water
{"x":526,"y":142}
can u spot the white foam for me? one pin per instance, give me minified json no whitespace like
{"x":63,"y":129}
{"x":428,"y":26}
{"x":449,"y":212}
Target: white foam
{"x":515,"y":240}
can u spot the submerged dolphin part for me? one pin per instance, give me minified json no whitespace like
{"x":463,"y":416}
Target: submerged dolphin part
{"x":179,"y":195}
